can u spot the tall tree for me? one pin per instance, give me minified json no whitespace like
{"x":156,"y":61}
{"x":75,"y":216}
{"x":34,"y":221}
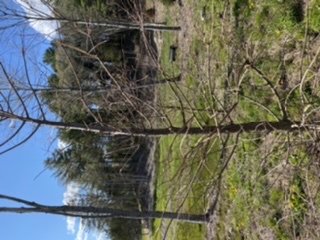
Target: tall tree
{"x":63,"y":16}
{"x":93,"y":212}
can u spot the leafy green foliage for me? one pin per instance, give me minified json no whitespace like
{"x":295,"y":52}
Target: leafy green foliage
{"x":49,"y":57}
{"x":314,"y":15}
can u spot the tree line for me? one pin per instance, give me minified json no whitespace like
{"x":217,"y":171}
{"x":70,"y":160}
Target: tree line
{"x":111,"y":169}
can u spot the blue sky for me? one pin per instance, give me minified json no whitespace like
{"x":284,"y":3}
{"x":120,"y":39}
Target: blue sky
{"x":18,"y":172}
{"x":20,"y":168}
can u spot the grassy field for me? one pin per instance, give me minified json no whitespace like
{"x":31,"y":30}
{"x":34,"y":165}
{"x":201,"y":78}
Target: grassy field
{"x":240,"y":61}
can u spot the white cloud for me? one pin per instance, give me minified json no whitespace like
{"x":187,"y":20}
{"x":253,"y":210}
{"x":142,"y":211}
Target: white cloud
{"x":82,"y":234}
{"x":85,"y":234}
{"x":71,"y":197}
{"x":38,"y":8}
{"x":62,"y":145}
{"x":102,"y":236}
{"x":71,"y":224}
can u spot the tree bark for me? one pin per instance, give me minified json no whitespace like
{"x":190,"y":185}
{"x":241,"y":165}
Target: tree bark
{"x":93,"y":212}
{"x":97,"y":212}
{"x":283,"y":125}
{"x":105,"y":89}
{"x":127,"y":26}
{"x":122,"y":25}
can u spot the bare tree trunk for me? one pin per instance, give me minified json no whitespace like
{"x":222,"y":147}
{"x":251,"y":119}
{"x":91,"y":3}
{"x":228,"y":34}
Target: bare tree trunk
{"x":111,"y":24}
{"x":105,"y":89}
{"x":123,"y":25}
{"x":96,"y":212}
{"x":35,"y":14}
{"x":93,"y":212}
{"x":283,"y":125}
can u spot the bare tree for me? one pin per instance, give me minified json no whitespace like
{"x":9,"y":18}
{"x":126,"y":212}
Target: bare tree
{"x":96,"y":212}
{"x":34,"y":14}
{"x":14,"y":107}
{"x":283,"y":125}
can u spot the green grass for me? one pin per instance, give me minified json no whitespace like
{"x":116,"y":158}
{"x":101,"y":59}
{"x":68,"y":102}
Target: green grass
{"x":183,"y":169}
{"x":254,"y":198}
{"x":173,"y":191}
{"x":167,"y":2}
{"x":263,"y":189}
{"x":314,"y":13}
